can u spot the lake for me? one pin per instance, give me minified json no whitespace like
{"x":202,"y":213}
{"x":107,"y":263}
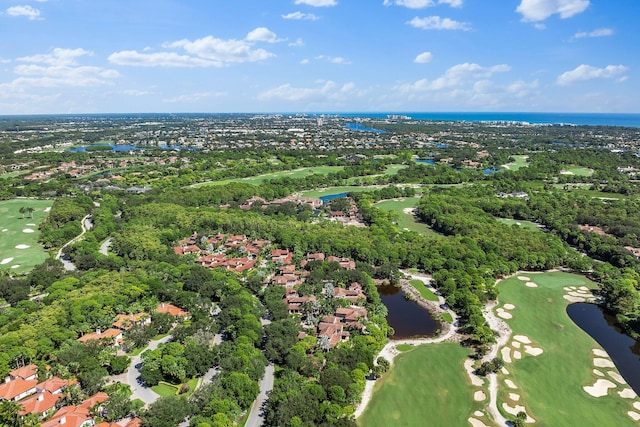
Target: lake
{"x":407,"y":318}
{"x":624,"y":350}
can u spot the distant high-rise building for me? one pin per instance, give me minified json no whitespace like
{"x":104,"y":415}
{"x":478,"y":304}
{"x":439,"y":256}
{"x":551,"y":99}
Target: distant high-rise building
{"x":320,"y":121}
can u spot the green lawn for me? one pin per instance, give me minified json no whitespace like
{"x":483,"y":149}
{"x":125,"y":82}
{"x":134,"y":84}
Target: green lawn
{"x":550,"y":385}
{"x":447,"y":317}
{"x":520,"y":223}
{"x":405,"y":347}
{"x":520,"y":161}
{"x":425,"y":387}
{"x":424,"y":291}
{"x":259,"y":179}
{"x":165,"y":390}
{"x":578,"y":170}
{"x":406,"y":221}
{"x":12,"y":233}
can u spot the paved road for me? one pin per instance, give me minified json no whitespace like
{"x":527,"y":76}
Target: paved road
{"x":139,"y":390}
{"x":104,"y":247}
{"x":86,"y":224}
{"x":256,"y":416}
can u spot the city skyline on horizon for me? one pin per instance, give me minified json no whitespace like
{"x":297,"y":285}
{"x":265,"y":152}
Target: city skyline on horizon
{"x":548,"y":56}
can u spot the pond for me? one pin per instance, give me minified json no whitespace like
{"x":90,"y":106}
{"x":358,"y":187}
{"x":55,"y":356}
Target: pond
{"x":624,"y":350}
{"x":329,"y":197}
{"x":406,"y":317}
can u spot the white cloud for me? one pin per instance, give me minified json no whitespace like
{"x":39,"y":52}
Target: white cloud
{"x":600,"y":32}
{"x":455,"y":76}
{"x":423,"y":58}
{"x":58,"y":56}
{"x":327,"y":91}
{"x":194,"y":97}
{"x":421,"y":4}
{"x":301,"y":16}
{"x":262,"y":34}
{"x":539,"y":10}
{"x":136,"y":92}
{"x":297,"y":43}
{"x":305,"y":61}
{"x":224,"y":51}
{"x":159,"y":59}
{"x":317,"y":3}
{"x":437,"y":23}
{"x":26,"y":10}
{"x":586,"y":72}
{"x":333,"y":59}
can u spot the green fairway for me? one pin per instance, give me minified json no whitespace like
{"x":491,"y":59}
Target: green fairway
{"x":550,"y":385}
{"x":426,"y":386}
{"x":520,"y":223}
{"x":447,"y":317}
{"x":519,"y":162}
{"x":424,"y":291}
{"x":259,"y":179}
{"x":577,"y":170}
{"x":406,"y":221}
{"x":19,"y":247}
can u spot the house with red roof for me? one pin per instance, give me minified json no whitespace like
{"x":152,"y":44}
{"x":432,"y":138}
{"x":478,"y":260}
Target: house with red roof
{"x":281,"y":256}
{"x":41,"y":404}
{"x":28,"y":372}
{"x":17,"y":389}
{"x":111,"y":336}
{"x":76,"y":416}
{"x":127,"y":321}
{"x":165,"y":307}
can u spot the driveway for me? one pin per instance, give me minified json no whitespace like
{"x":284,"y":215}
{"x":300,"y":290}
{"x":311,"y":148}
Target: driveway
{"x":138,"y":388}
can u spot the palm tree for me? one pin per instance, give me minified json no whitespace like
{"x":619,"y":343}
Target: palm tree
{"x":22,"y":210}
{"x":30,"y":211}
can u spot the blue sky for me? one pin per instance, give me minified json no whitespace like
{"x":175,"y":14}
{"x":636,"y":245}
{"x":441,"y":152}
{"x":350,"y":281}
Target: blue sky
{"x":100,"y":56}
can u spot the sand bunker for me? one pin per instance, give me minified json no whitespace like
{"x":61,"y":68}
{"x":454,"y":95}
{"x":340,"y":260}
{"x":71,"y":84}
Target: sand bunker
{"x":509,"y":306}
{"x":517,"y":355}
{"x":31,"y":224}
{"x":6,"y":261}
{"x":28,"y":230}
{"x":634,"y":415}
{"x":515,"y":397}
{"x":504,"y":314}
{"x":603,"y":363}
{"x":616,"y":377}
{"x":600,"y":388}
{"x":523,"y":278}
{"x":569,"y":288}
{"x":598,"y":373}
{"x":510,"y":384}
{"x":636,"y":405}
{"x":478,"y":414}
{"x":574,"y":299}
{"x":534,"y":351}
{"x":600,"y":353}
{"x":476,"y":423}
{"x":479,"y":396}
{"x":531,"y":285}
{"x":23,"y":247}
{"x":4,"y":230}
{"x":475,"y":380}
{"x":15,"y":266}
{"x":506,"y":354}
{"x":628,"y":393}
{"x":47,"y":209}
{"x":516,"y":344}
{"x":409,"y":211}
{"x":504,"y":370}
{"x":522,"y":338}
{"x":515,"y":410}
{"x":584,"y":288}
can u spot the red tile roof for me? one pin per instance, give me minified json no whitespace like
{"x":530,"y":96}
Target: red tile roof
{"x":54,"y":384}
{"x":24,"y":372}
{"x":14,"y":388}
{"x":171,"y":309}
{"x":110,"y":333}
{"x":39,"y":403}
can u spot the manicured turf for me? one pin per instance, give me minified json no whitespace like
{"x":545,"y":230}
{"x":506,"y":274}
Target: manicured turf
{"x":524,"y":224}
{"x":165,"y":390}
{"x":257,"y":180}
{"x":578,"y":170}
{"x":11,"y":234}
{"x":519,"y":162}
{"x":405,"y":347}
{"x":424,"y":291}
{"x":446,"y":317}
{"x":551,"y":384}
{"x":406,"y":221}
{"x":425,"y":387}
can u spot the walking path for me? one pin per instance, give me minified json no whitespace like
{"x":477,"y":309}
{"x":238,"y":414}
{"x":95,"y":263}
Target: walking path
{"x":104,"y":247}
{"x":86,"y":225}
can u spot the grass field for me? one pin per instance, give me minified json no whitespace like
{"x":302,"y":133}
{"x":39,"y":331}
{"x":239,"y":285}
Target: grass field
{"x":518,"y":163}
{"x":259,"y":179}
{"x":524,"y":224}
{"x":424,"y":291}
{"x":405,"y":220}
{"x":14,"y":237}
{"x":165,"y":389}
{"x":550,"y":385}
{"x":447,"y":317}
{"x":577,"y":170}
{"x":425,"y":386}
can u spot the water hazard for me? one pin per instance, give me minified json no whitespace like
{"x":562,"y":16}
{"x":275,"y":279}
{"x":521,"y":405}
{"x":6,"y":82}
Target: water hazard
{"x":407,"y":318}
{"x":624,"y":350}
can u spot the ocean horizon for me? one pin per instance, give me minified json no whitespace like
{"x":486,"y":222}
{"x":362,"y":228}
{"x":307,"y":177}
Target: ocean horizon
{"x":578,"y":119}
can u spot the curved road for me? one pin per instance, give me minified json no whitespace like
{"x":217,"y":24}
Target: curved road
{"x":256,"y":416}
{"x":104,"y":247}
{"x":133,"y":379}
{"x":86,"y":225}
